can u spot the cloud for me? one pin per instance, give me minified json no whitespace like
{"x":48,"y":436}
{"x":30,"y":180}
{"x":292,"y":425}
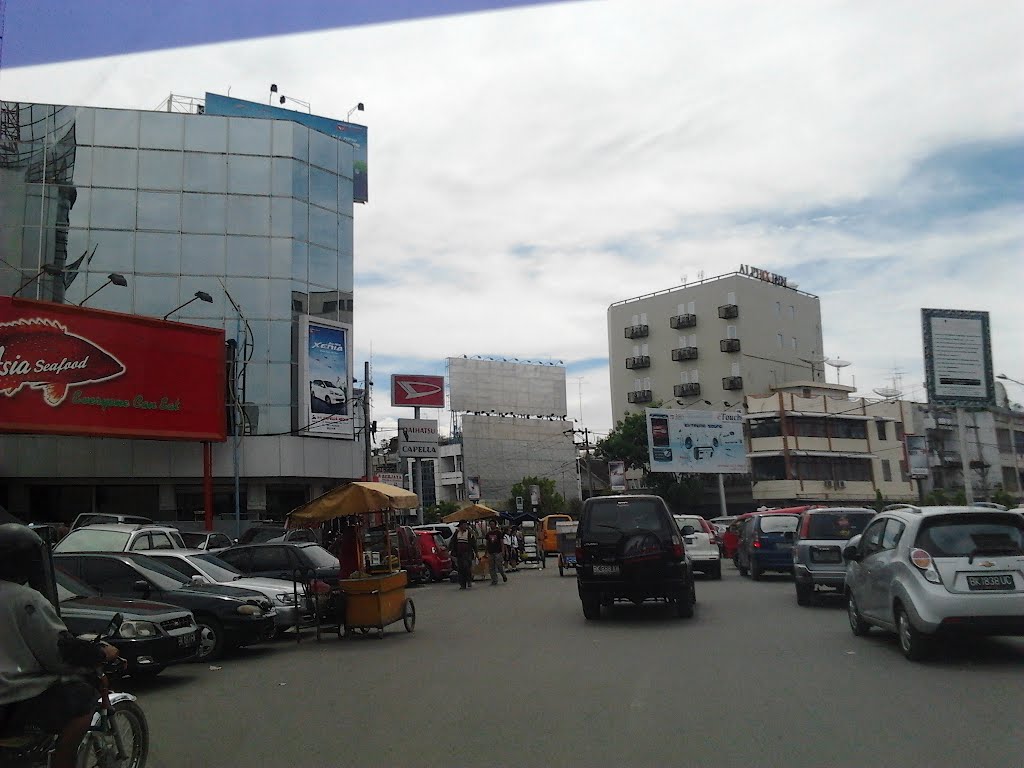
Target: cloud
{"x":530,"y":167}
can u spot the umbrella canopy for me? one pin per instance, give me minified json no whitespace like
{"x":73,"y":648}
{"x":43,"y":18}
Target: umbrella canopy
{"x":358,"y":498}
{"x":475,"y":512}
{"x":518,"y":518}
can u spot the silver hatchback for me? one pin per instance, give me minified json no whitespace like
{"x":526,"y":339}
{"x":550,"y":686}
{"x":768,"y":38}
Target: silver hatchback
{"x":931,"y":572}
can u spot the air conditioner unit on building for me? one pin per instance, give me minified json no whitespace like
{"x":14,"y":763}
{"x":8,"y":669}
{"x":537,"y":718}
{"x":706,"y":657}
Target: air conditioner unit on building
{"x":828,"y":483}
{"x":840,"y":483}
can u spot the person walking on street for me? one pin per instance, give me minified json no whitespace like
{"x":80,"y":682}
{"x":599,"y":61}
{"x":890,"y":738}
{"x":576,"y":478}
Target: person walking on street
{"x":495,"y":543}
{"x":464,"y":548}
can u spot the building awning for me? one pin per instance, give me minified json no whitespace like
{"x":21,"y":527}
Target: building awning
{"x":824,"y":454}
{"x":818,"y":414}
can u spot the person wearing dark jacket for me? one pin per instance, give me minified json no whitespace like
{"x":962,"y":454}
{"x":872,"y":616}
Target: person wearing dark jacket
{"x":463,"y":547}
{"x":39,"y":657}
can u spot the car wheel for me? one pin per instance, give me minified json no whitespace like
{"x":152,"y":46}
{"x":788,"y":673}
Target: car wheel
{"x":803,"y":593}
{"x":914,"y":644}
{"x":591,"y":607}
{"x":211,"y":638}
{"x":858,"y":626}
{"x":327,"y":400}
{"x":716,"y":572}
{"x":684,"y":604}
{"x":755,"y":570}
{"x":741,"y":567}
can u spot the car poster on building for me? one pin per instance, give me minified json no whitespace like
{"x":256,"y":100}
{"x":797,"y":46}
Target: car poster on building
{"x":617,"y":475}
{"x":325,"y":373}
{"x":696,"y":441}
{"x":473,"y":488}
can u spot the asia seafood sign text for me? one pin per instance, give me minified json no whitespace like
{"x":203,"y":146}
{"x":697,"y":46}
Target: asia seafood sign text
{"x":68,"y":370}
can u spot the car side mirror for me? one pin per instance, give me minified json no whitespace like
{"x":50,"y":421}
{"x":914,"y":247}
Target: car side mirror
{"x":688,"y":530}
{"x":140,"y":586}
{"x":851,"y":553}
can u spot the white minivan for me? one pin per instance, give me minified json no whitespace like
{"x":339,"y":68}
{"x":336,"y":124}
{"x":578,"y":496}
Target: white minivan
{"x":701,"y":546}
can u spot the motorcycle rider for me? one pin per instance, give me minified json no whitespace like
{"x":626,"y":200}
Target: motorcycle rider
{"x":39,"y":656}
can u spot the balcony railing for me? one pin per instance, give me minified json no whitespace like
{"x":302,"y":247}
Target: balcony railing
{"x":732,"y":382}
{"x":637,"y":331}
{"x":686,"y":390}
{"x":728,"y":311}
{"x":729,"y":345}
{"x":643,"y":361}
{"x":640,"y":396}
{"x":683,"y":321}
{"x":684,"y":353}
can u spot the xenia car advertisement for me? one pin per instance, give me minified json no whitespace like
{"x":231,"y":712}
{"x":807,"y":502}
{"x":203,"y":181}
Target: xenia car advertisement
{"x":67,"y":370}
{"x":696,"y":441}
{"x":325,"y":375}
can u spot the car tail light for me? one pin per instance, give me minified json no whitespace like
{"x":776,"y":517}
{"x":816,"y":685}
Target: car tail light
{"x":677,"y":547}
{"x":805,"y":527}
{"x":581,"y":554}
{"x":757,"y":543}
{"x":319,"y":587}
{"x":924,"y":563}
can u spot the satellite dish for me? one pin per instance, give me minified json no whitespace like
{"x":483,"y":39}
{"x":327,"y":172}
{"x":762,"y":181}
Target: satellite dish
{"x":887,"y":392}
{"x":838,"y":364}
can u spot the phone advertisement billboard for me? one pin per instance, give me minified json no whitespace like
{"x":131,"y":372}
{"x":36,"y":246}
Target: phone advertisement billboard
{"x":696,"y":441}
{"x":325,"y":376}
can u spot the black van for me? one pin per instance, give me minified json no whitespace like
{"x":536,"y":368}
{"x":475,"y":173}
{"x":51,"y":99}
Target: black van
{"x":629,"y":548}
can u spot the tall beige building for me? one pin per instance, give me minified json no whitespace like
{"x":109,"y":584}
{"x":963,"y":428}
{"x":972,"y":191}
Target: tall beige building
{"x":717,"y":340}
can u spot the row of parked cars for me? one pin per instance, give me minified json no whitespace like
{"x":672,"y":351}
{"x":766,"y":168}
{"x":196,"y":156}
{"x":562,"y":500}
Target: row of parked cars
{"x":923,"y":573}
{"x":194,"y":595}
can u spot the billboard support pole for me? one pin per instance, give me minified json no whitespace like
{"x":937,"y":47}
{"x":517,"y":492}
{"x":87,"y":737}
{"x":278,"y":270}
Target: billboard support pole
{"x":965,"y":465}
{"x":723,"y":509}
{"x":366,"y":419}
{"x":418,"y":469}
{"x":208,"y":485}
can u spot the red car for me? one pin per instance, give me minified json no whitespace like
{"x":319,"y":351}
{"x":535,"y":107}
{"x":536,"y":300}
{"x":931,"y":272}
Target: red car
{"x":435,"y":554}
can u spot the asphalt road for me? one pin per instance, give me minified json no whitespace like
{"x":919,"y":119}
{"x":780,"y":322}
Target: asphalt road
{"x":513,"y":675}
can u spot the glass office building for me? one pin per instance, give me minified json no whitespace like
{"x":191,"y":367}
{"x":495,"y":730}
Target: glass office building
{"x":258,"y":209}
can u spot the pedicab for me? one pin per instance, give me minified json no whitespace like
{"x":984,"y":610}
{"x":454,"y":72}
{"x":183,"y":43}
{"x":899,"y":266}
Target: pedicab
{"x":566,"y":535}
{"x":474,"y":513}
{"x":372,"y":583}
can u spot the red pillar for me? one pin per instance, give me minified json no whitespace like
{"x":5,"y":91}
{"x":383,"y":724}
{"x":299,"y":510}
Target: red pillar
{"x":208,"y":484}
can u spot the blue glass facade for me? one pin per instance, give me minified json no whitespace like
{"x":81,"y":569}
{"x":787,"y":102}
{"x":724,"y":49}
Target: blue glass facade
{"x":180,"y":203}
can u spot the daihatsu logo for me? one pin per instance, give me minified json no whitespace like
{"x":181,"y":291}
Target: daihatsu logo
{"x":417,"y":389}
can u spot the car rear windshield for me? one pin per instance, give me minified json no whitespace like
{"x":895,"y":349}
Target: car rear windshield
{"x":837,"y":525}
{"x":261,"y":535}
{"x":217,"y":569}
{"x":626,"y":516}
{"x":779,"y":523}
{"x":84,"y":540}
{"x":694,"y":521}
{"x":972,"y":534}
{"x":193,"y":540}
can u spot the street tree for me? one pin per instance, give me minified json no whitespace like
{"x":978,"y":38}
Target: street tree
{"x":433,"y":514}
{"x":551,"y":502}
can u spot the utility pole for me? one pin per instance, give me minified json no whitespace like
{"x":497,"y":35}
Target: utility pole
{"x":366,"y":418}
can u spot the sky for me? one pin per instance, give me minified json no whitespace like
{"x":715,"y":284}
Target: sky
{"x":530,"y":165}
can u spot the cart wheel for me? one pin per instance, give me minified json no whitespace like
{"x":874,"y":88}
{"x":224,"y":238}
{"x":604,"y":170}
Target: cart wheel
{"x":409,"y":615}
{"x":380,"y":633}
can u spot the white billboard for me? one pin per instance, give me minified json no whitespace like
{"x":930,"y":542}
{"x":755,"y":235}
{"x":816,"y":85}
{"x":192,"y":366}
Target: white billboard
{"x":490,"y":386}
{"x":957,"y":357}
{"x":325,"y":376}
{"x":695,"y":441}
{"x":417,"y":438}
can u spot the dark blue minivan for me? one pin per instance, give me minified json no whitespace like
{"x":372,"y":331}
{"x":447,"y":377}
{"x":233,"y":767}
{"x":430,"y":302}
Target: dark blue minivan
{"x":766,"y":544}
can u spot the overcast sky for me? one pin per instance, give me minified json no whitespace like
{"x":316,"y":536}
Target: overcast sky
{"x":528,"y":167}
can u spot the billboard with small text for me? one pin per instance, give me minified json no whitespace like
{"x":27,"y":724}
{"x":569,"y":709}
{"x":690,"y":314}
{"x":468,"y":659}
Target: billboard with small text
{"x":695,"y":441}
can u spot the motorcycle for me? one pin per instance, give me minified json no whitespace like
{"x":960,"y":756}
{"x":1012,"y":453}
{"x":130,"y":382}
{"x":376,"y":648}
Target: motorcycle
{"x":118,"y":736}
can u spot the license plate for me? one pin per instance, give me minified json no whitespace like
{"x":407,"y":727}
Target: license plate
{"x":606,"y":570}
{"x":186,"y":640}
{"x":829,"y":555}
{"x":1004,"y":582}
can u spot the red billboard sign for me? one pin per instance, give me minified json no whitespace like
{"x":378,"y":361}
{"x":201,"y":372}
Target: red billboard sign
{"x":411,"y":389}
{"x":67,"y":370}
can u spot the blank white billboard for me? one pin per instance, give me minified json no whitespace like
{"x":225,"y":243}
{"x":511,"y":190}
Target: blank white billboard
{"x":521,"y":388}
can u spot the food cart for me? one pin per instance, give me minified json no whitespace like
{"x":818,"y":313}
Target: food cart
{"x":565,"y":533}
{"x":474,"y":513}
{"x":372,"y":582}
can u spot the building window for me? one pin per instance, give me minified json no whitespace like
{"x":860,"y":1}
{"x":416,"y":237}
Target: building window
{"x":792,"y":312}
{"x":770,"y":427}
{"x":768,"y":468}
{"x":886,"y":471}
{"x":899,"y":431}
{"x":881,"y":429}
{"x":779,"y":339}
{"x":794,"y":344}
{"x":849,"y":429}
{"x":778,"y":309}
{"x":807,"y":427}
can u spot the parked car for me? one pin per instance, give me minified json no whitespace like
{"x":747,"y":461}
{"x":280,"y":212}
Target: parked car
{"x":151,"y":637}
{"x":285,"y":560}
{"x":410,"y":555}
{"x":97,"y":518}
{"x":435,"y":554}
{"x":548,"y":532}
{"x":208,"y":541}
{"x":261,"y":534}
{"x":120,"y":537}
{"x":629,"y":548}
{"x":701,"y":544}
{"x":927,"y":573}
{"x":721,"y":524}
{"x":766,"y":543}
{"x":226,"y":617}
{"x":818,"y":550}
{"x":202,"y":567}
{"x":445,"y":529}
